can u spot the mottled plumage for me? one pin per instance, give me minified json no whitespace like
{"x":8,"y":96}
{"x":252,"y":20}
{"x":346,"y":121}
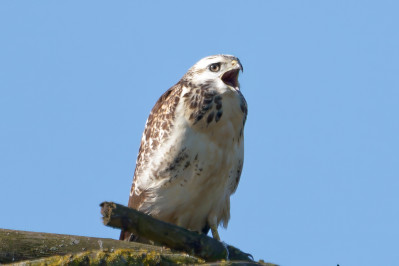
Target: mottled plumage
{"x":192,"y":150}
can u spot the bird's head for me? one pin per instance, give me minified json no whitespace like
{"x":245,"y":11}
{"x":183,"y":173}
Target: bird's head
{"x":220,"y":71}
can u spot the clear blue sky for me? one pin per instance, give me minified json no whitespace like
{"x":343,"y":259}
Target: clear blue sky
{"x":320,"y":183}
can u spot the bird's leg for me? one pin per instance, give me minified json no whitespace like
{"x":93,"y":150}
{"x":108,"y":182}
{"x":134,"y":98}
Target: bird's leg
{"x":215,"y":234}
{"x":213,"y":224}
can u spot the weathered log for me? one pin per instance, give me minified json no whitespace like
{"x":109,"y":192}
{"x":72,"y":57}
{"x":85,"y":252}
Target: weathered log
{"x":18,"y":246}
{"x":172,"y":236}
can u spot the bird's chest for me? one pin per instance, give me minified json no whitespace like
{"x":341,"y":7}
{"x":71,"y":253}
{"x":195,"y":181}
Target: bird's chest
{"x":210,"y":135}
{"x":219,"y":117}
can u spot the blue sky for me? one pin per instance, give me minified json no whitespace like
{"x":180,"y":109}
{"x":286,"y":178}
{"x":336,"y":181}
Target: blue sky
{"x":320,"y":181}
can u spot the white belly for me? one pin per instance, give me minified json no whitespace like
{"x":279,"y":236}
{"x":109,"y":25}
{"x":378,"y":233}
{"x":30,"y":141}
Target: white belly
{"x":206,"y":161}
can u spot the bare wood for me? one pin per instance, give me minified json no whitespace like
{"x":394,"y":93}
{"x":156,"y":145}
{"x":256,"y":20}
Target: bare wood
{"x":175,"y":237}
{"x":21,"y":245}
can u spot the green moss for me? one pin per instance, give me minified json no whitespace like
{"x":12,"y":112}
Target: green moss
{"x":117,"y":257}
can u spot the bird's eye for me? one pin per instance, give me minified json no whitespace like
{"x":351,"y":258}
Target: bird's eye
{"x":214,"y":67}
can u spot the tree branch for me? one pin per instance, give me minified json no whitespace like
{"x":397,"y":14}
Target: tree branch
{"x":175,"y":237}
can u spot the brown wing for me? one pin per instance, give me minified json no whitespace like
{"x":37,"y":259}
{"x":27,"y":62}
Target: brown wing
{"x":157,"y":129}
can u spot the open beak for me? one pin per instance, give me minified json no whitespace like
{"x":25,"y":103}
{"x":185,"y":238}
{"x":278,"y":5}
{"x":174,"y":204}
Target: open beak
{"x":230,"y":77}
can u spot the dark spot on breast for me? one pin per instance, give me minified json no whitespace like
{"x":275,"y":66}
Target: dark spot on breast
{"x":206,"y":107}
{"x":199,"y":117}
{"x":187,"y":165}
{"x":178,"y":160}
{"x":188,"y":94}
{"x":208,"y":100}
{"x":218,"y":115}
{"x":218,"y":99}
{"x":209,"y":94}
{"x":193,"y":105}
{"x":210,"y":117}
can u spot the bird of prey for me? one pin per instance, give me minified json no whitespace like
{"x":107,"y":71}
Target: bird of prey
{"x":192,"y":149}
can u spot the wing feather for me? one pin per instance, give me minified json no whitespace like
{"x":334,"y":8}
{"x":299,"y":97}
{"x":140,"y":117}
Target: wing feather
{"x":157,"y":129}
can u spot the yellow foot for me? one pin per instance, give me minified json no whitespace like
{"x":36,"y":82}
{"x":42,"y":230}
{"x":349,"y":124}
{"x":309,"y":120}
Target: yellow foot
{"x":215,"y":233}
